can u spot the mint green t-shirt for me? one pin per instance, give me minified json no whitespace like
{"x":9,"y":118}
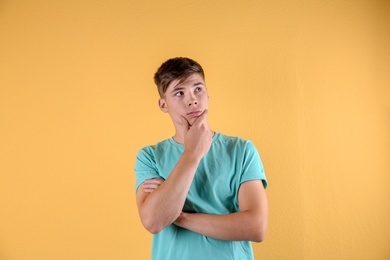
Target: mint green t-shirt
{"x":214,"y":190}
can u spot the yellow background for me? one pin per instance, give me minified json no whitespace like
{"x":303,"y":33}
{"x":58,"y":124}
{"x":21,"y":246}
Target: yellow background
{"x":307,"y":81}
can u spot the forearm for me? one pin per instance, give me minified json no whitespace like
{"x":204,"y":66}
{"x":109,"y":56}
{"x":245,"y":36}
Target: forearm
{"x":236,"y":226}
{"x":161,"y":207}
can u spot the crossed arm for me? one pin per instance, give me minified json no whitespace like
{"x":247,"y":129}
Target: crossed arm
{"x":250,"y":223}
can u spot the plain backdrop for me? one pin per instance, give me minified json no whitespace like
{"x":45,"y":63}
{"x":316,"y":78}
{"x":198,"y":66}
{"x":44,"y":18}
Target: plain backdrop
{"x":306,"y":81}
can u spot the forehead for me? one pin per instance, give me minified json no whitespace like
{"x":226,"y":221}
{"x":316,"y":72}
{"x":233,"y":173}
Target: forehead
{"x":187,"y":82}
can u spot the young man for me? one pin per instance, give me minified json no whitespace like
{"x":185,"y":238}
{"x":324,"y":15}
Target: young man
{"x":200,"y":193}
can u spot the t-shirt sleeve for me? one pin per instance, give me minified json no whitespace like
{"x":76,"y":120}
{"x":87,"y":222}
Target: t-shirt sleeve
{"x":252,"y":166}
{"x":145,"y":166}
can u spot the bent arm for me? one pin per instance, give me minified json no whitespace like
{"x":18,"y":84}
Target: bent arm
{"x":161,"y":207}
{"x":250,"y":223}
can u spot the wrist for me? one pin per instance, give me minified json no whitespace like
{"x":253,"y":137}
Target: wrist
{"x":191,"y":157}
{"x":180,"y":221}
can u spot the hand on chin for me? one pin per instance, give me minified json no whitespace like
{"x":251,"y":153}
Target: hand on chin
{"x":191,"y":120}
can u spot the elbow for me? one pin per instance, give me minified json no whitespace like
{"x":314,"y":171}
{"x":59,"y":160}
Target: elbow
{"x":154,"y":222}
{"x":259,"y":237}
{"x":259,"y":233}
{"x":154,"y":230}
{"x":153,"y":226}
{"x":150,"y":222}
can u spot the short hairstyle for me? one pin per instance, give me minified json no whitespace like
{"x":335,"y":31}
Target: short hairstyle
{"x":175,"y":68}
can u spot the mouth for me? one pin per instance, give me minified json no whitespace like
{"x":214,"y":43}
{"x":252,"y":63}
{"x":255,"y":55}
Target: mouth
{"x":195,"y":113}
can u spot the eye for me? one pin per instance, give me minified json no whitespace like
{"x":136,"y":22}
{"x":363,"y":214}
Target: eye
{"x":179,"y":93}
{"x":198,"y":89}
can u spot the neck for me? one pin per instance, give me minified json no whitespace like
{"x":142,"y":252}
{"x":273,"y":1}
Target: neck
{"x":179,"y":138}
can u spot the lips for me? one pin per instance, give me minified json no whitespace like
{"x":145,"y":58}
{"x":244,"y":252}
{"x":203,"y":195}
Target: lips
{"x":194,"y":113}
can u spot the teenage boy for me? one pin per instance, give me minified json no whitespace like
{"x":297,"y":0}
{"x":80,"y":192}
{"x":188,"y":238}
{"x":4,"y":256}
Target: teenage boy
{"x":200,"y":193}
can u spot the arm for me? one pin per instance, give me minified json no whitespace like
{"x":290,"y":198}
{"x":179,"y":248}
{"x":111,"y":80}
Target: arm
{"x":250,"y":223}
{"x":161,"y":207}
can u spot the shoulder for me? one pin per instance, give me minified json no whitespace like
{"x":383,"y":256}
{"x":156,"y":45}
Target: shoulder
{"x":155,"y":147}
{"x":150,"y":151}
{"x":236,"y":147}
{"x":148,"y":155}
{"x":233,"y":142}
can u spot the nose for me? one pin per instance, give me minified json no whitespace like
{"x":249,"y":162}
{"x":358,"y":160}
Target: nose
{"x":192,"y":101}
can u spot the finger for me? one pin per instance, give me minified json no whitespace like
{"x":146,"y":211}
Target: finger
{"x":149,"y":190}
{"x":154,"y":181}
{"x":150,"y":187}
{"x":202,"y":118}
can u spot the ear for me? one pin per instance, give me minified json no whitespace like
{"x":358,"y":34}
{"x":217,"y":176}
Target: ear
{"x":163,"y":105}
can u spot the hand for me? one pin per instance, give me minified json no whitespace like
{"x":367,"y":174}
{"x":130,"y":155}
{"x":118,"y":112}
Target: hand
{"x":198,"y":136}
{"x":150,"y":185}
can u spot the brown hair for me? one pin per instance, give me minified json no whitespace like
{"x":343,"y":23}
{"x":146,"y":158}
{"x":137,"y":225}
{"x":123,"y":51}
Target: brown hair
{"x":175,"y":68}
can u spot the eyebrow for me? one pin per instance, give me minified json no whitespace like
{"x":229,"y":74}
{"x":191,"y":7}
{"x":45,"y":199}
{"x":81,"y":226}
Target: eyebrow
{"x":178,"y":87}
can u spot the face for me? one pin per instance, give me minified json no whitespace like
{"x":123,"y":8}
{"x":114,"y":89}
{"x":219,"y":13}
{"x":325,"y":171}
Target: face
{"x":188,"y":99}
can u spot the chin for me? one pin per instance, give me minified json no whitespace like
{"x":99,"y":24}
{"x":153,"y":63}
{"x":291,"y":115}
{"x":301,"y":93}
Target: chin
{"x":192,"y":120}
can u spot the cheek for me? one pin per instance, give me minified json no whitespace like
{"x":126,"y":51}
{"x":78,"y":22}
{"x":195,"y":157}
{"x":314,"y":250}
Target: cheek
{"x":205,"y":100}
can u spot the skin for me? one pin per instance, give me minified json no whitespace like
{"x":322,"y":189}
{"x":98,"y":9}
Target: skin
{"x":160,"y":203}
